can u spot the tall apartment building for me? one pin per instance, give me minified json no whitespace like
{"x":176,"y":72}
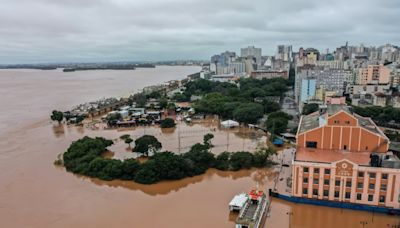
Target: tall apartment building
{"x":374,"y":74}
{"x":344,"y":157}
{"x":326,"y":78}
{"x":284,"y":52}
{"x":251,"y":51}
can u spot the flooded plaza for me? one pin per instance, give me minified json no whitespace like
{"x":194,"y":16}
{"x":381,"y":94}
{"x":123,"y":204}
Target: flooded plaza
{"x":35,"y":193}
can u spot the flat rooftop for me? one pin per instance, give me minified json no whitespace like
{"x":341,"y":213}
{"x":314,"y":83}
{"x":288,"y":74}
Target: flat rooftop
{"x":329,"y":156}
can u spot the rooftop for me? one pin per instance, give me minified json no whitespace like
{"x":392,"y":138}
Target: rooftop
{"x":329,"y":156}
{"x":312,"y":120}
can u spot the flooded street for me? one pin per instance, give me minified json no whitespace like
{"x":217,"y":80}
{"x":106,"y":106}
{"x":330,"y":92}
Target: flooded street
{"x":35,"y":193}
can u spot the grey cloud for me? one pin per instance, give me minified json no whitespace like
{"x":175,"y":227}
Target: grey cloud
{"x":90,"y":30}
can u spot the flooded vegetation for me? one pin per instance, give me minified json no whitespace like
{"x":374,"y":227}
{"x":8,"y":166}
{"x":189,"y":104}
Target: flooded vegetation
{"x":36,"y":193}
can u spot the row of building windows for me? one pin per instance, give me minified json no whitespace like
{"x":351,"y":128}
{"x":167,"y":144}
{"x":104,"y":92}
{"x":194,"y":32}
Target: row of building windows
{"x":338,"y":122}
{"x":346,"y":195}
{"x":360,"y":185}
{"x":316,"y":170}
{"x":372,"y":175}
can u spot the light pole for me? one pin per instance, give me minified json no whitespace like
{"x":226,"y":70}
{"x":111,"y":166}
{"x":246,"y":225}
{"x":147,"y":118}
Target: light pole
{"x":363,"y":223}
{"x":290,"y":218}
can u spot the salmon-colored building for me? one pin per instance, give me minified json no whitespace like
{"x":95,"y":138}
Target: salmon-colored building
{"x":344,"y":157}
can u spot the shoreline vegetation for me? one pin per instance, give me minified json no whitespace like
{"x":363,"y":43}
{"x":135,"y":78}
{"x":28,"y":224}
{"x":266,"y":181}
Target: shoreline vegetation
{"x":84,"y":157}
{"x":248,"y":101}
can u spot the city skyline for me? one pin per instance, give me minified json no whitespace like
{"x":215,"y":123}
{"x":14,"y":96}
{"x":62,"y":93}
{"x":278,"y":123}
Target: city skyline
{"x":118,"y":30}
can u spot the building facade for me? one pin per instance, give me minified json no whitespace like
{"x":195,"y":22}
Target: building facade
{"x":343,"y":157}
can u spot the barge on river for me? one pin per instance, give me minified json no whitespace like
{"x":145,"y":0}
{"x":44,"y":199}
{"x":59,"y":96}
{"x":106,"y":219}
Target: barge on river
{"x":252,"y":209}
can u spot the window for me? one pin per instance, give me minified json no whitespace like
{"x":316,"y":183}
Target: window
{"x":358,"y":196}
{"x":315,"y":192}
{"x":326,"y":182}
{"x":316,"y":181}
{"x":326,"y":192}
{"x":348,"y":184}
{"x":372,"y":175}
{"x":310,"y":144}
{"x":371,"y":186}
{"x":336,"y":122}
{"x":383,"y":187}
{"x":337,"y":182}
{"x":347,"y":195}
{"x":305,"y":180}
{"x":327,"y":171}
{"x":347,"y":122}
{"x":384,"y":176}
{"x":337,"y":194}
{"x":360,"y":185}
{"x":381,"y":199}
{"x":305,"y":169}
{"x":316,"y":170}
{"x":370,"y":197}
{"x":305,"y":191}
{"x":360,"y":174}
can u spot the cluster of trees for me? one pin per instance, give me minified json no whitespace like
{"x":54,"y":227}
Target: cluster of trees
{"x":394,"y":136}
{"x":246,"y":103}
{"x":381,"y":115}
{"x":84,"y":157}
{"x":277,"y":122}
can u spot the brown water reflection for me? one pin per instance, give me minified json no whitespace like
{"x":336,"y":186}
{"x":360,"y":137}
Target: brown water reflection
{"x":35,"y":193}
{"x":259,"y":176}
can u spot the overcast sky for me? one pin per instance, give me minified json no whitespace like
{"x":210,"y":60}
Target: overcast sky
{"x":137,"y":30}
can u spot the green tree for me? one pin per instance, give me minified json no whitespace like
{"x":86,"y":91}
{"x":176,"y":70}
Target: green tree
{"x":241,"y":160}
{"x":163,"y":102}
{"x":199,"y":159}
{"x":130,"y":167}
{"x":146,"y":144}
{"x":310,"y":108}
{"x":128,"y":141}
{"x":167,"y":123}
{"x":248,"y":112}
{"x":222,"y":161}
{"x":57,"y":116}
{"x":262,"y":156}
{"x":270,"y":106}
{"x":207,"y":139}
{"x":125,"y":136}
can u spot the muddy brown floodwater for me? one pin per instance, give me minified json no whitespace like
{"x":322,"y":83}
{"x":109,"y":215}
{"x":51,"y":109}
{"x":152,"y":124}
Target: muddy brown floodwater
{"x":35,"y":193}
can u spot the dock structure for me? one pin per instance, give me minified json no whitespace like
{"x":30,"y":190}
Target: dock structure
{"x":253,"y":212}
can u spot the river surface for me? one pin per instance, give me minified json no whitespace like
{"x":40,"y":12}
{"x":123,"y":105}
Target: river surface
{"x":35,"y":193}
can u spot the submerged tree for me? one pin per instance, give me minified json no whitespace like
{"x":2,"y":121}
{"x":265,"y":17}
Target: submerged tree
{"x":207,"y":139}
{"x":146,"y":144}
{"x":57,"y":116}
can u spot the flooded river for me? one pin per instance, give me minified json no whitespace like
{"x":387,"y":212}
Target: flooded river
{"x":35,"y":193}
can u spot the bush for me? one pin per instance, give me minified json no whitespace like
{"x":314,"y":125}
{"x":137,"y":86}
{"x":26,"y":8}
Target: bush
{"x":167,"y":123}
{"x":222,"y":161}
{"x":241,"y":160}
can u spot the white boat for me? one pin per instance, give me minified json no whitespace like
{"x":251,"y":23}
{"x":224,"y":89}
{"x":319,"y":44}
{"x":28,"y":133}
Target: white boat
{"x":252,"y":213}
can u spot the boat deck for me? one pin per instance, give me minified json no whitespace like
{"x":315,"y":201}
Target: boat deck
{"x":250,"y":211}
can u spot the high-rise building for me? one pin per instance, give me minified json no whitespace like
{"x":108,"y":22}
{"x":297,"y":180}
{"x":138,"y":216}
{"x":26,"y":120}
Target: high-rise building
{"x":251,"y":51}
{"x":284,"y":52}
{"x":374,"y":74}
